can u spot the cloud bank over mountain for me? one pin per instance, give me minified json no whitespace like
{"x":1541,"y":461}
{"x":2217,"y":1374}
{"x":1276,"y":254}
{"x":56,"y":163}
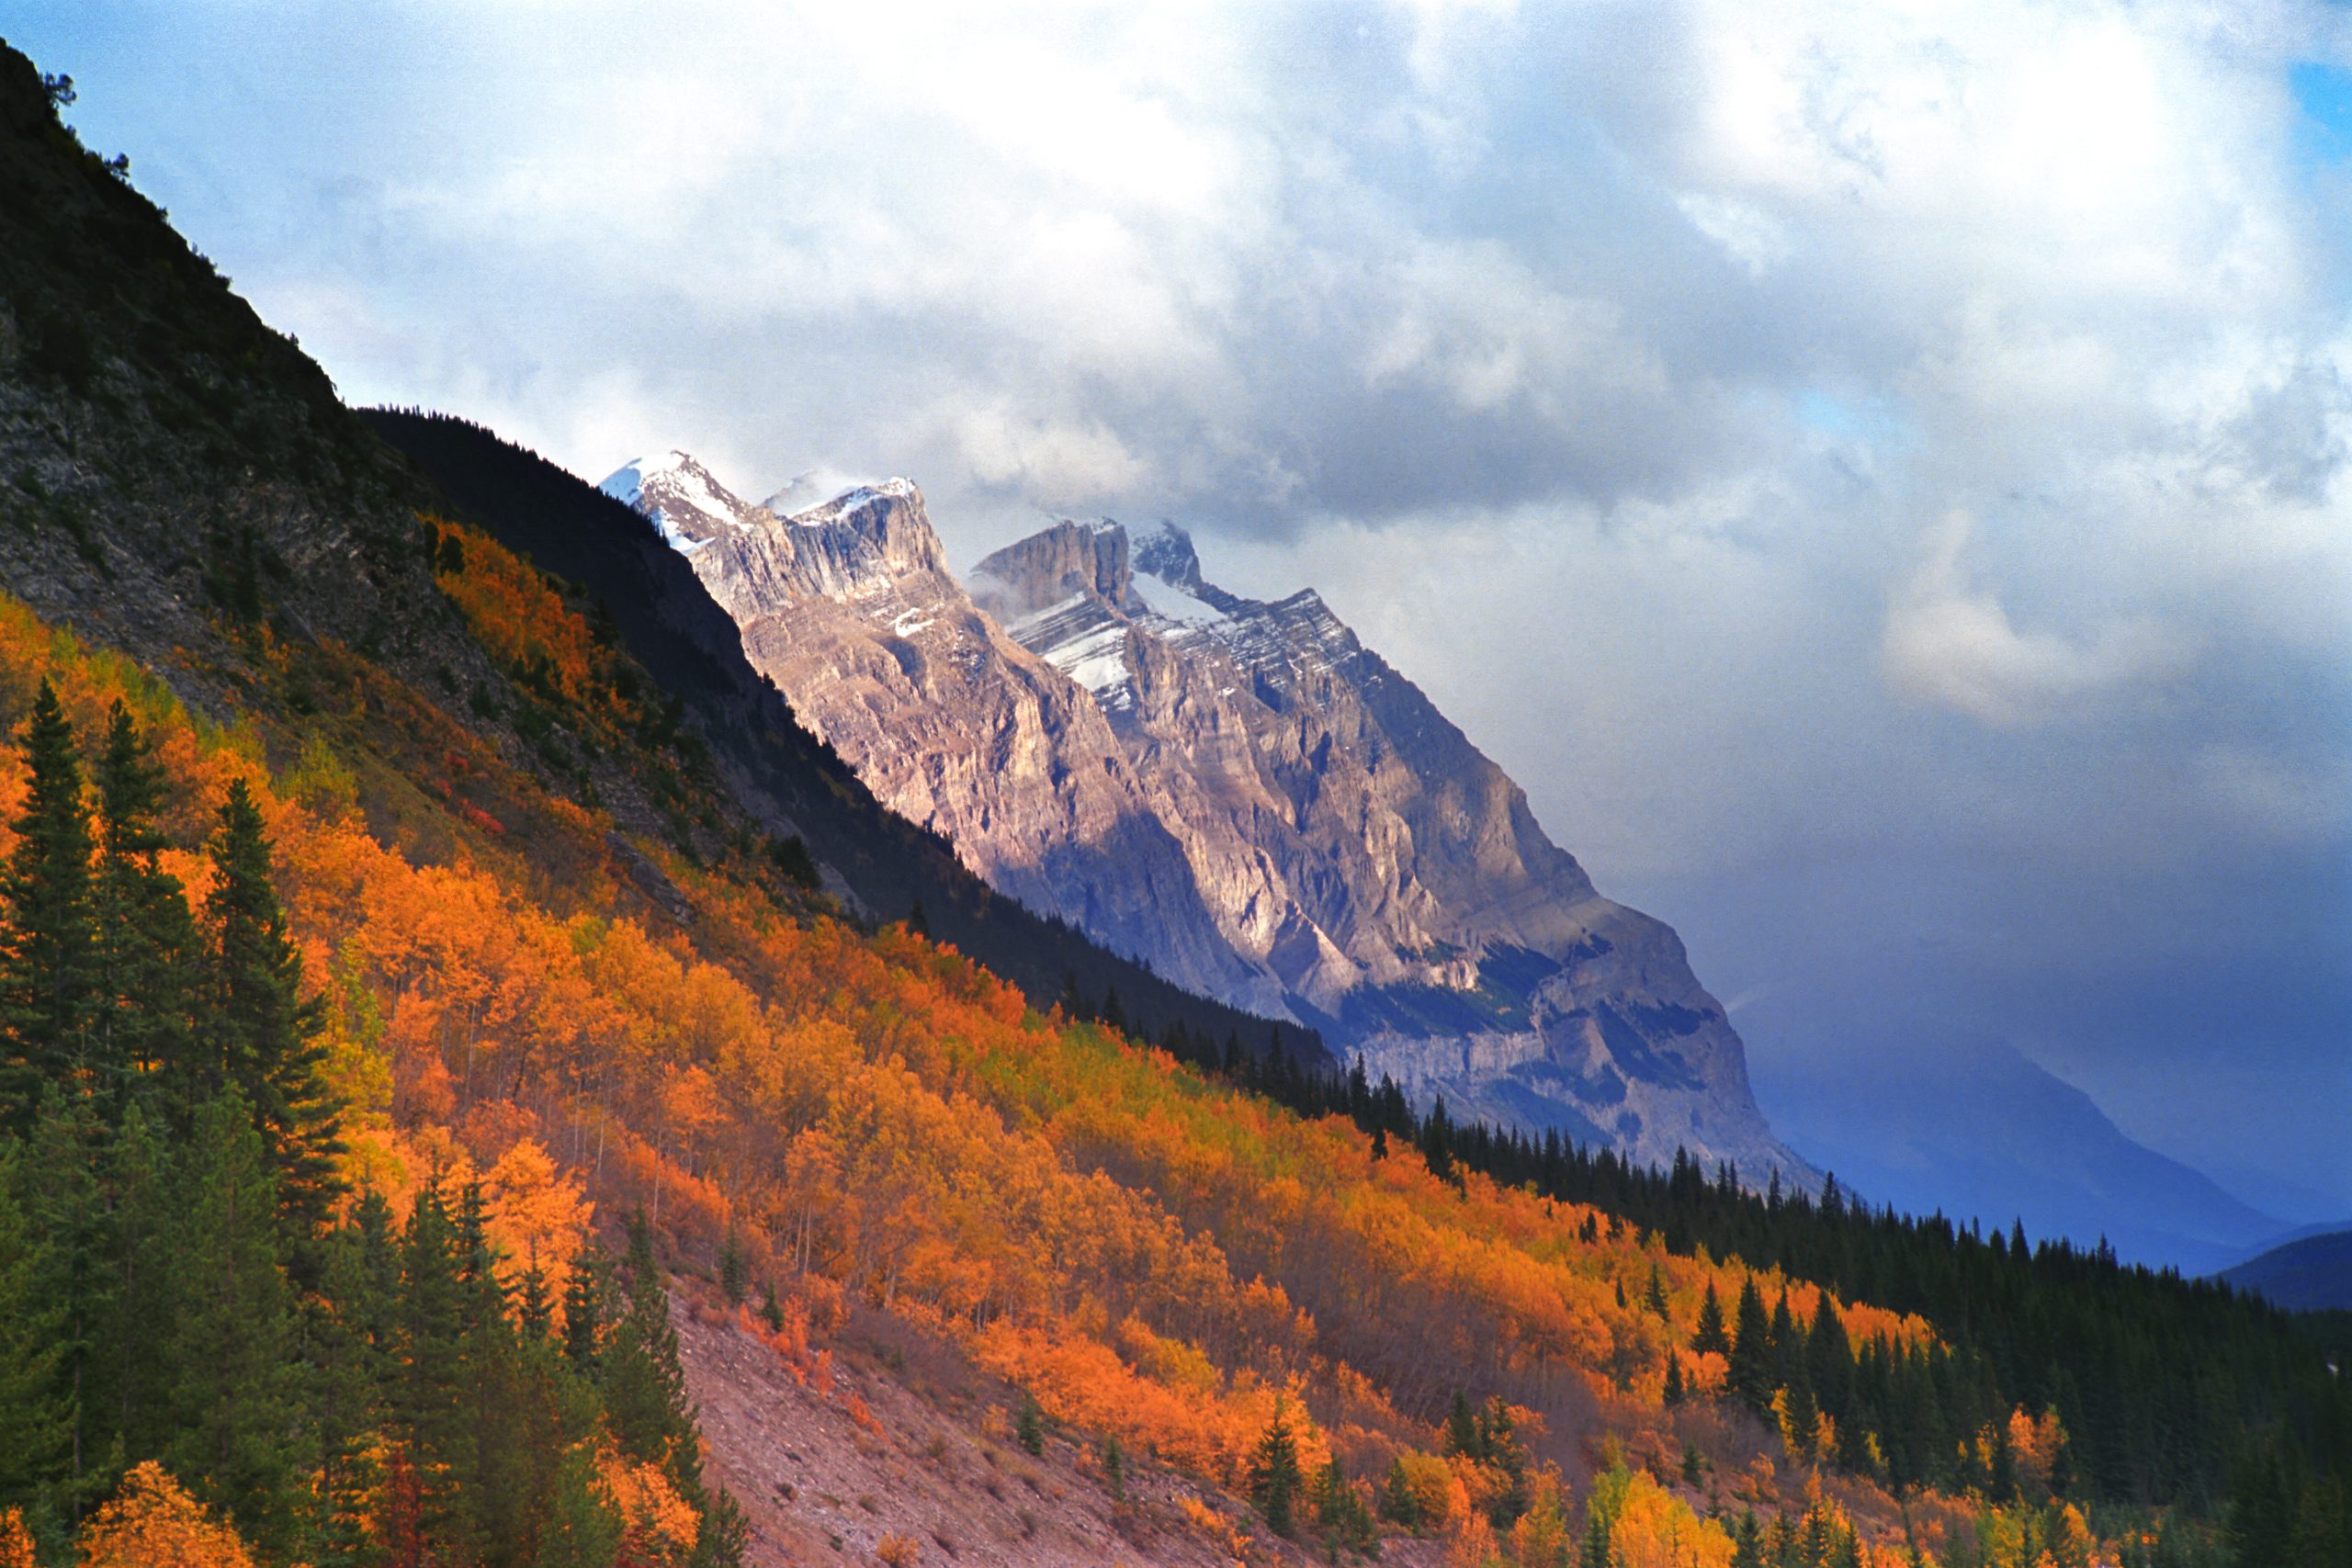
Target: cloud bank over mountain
{"x":1877,"y":478}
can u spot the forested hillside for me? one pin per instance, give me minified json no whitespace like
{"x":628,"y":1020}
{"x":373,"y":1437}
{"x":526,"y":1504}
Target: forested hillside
{"x":379,"y":942}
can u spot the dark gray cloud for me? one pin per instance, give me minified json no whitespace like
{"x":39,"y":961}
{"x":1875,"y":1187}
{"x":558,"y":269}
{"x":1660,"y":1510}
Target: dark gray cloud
{"x":1876,"y":478}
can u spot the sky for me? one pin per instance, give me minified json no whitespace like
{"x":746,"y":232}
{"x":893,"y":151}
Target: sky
{"x":1874,"y":475}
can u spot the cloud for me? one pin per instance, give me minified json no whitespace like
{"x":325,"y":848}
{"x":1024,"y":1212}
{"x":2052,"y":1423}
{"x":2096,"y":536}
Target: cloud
{"x":1948,"y":642}
{"x":1600,"y":361}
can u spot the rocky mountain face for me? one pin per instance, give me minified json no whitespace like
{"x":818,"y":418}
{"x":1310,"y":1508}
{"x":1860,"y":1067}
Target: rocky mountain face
{"x":1239,"y":792}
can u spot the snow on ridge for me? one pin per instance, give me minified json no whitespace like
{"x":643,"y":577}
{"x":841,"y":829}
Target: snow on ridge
{"x":1097,"y":661}
{"x":1170,"y":603}
{"x":855,"y":499}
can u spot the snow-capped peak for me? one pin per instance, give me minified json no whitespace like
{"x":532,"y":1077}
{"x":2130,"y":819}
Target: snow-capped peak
{"x":680,"y":496}
{"x":842,"y":505}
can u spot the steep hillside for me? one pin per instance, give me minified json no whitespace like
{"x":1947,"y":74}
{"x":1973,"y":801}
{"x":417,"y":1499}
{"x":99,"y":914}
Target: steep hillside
{"x":790,"y":782}
{"x":1240,"y":793}
{"x":408,"y":941}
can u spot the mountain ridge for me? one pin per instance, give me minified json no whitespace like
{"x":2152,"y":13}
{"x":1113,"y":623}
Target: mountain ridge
{"x":1238,"y":791}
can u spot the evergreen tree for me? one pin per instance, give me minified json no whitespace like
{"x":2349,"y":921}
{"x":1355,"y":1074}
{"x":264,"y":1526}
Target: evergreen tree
{"x":1748,"y":1541}
{"x":644,"y":1387}
{"x":62,"y":1195}
{"x":47,"y":962}
{"x":428,"y":1382}
{"x":263,"y":1033}
{"x":237,"y":1397}
{"x":148,"y":1216}
{"x":583,"y":1312}
{"x":1339,"y":1513}
{"x":1029,"y":1426}
{"x":734,"y":1270}
{"x":1750,"y":1376}
{"x":1654,"y":1297}
{"x":1596,"y":1539}
{"x":1709,"y":1336}
{"x":1115,"y":1469}
{"x":1674,"y":1386}
{"x":36,"y":1427}
{"x":1462,"y":1436}
{"x":346,"y":1333}
{"x":145,"y":937}
{"x":1275,"y":1480}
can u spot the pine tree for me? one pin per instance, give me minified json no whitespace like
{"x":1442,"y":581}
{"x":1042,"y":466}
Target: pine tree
{"x":583,"y":1313}
{"x":1655,"y":1297}
{"x":145,"y":937}
{"x":35,"y":1425}
{"x":1029,"y":1426}
{"x":734,"y":1270}
{"x":1462,"y":1428}
{"x":1674,"y":1386}
{"x":1115,"y":1469}
{"x":1750,"y":1376}
{"x":1748,"y":1543}
{"x":237,"y":1398}
{"x":645,"y":1389}
{"x":1709,"y":1336}
{"x":148,"y":1215}
{"x":47,"y":962}
{"x":263,"y":1032}
{"x":1275,"y":1477}
{"x":346,"y":1333}
{"x":428,"y":1383}
{"x":1596,"y":1539}
{"x":64,"y":1180}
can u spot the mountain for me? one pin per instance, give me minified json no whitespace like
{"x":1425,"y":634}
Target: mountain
{"x":2312,"y":1273}
{"x":1239,"y":793}
{"x":790,"y":782}
{"x":1974,"y":1129}
{"x":597,"y":1165}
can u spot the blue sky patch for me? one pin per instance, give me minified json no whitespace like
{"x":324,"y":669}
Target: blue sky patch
{"x":2324,"y":94}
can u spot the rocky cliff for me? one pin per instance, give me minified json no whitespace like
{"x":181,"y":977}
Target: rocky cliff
{"x":1239,"y":792}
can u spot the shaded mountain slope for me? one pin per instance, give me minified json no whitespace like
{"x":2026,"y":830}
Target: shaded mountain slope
{"x":1239,"y":793}
{"x":2311,"y":1274}
{"x":791,"y":781}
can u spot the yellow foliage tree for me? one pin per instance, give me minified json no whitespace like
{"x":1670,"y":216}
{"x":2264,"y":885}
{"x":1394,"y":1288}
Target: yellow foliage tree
{"x":151,"y":1523}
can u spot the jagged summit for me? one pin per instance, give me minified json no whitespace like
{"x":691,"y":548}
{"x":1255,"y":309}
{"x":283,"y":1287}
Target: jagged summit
{"x":1242,"y":793}
{"x":690,"y":506}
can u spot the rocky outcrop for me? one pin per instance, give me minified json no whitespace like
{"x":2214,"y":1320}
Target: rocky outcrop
{"x":1239,"y":792}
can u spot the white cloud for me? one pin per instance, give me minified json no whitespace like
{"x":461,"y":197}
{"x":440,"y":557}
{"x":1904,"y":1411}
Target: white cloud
{"x":1490,"y":320}
{"x":1949,"y":641}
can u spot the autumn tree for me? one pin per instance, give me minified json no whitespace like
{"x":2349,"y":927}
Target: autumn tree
{"x":154,"y":1522}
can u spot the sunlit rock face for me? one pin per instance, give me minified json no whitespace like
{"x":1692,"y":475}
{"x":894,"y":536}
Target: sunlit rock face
{"x":1240,"y":793}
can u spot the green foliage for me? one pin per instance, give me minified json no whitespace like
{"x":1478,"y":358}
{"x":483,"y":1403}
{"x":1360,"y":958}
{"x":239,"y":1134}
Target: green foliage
{"x":1115,"y":1469}
{"x":1029,"y":1426}
{"x":235,"y":1398}
{"x":1275,"y":1481}
{"x":1339,"y":1513}
{"x":262,"y":1034}
{"x":734,"y":1270}
{"x":47,"y":957}
{"x":36,"y":1423}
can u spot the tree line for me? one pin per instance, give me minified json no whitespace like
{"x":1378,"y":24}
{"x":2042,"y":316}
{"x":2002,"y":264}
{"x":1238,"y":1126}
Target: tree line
{"x":195,"y":1314}
{"x":2167,"y":1390}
